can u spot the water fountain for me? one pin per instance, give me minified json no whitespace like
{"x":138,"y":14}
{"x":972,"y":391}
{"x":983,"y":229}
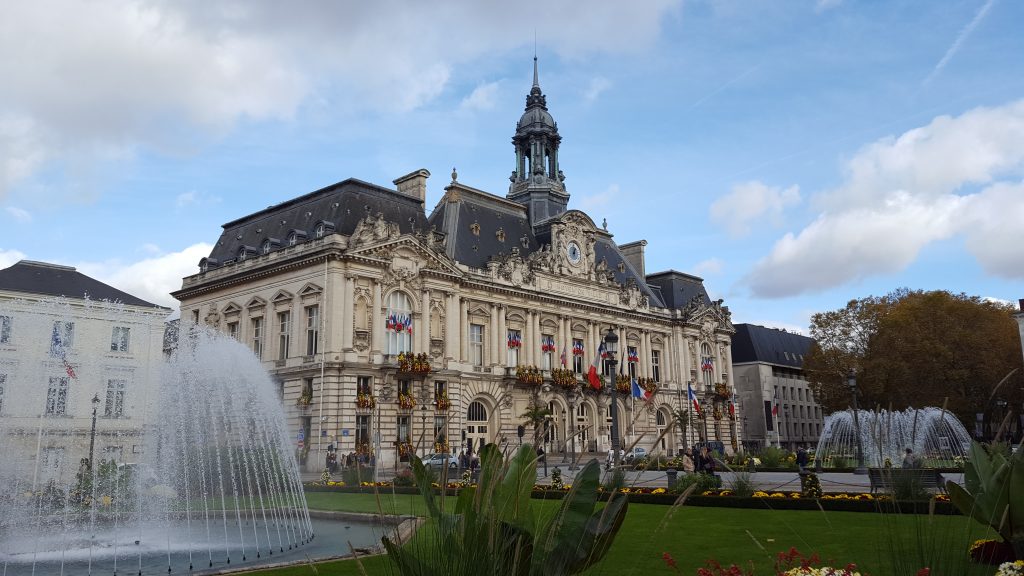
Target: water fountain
{"x":132,"y":464}
{"x":935,"y":435}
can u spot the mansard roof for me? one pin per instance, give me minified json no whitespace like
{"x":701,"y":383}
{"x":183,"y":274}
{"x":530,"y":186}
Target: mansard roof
{"x":338,"y":206}
{"x":678,"y":289}
{"x":45,"y":279}
{"x":753,"y":343}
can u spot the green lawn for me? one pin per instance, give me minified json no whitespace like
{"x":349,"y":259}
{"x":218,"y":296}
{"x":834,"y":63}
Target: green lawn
{"x":692,"y":535}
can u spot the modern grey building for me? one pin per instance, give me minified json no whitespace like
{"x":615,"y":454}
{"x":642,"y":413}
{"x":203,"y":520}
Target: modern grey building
{"x":778,"y":406}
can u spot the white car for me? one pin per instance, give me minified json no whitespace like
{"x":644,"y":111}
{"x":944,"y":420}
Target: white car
{"x":440,"y":461}
{"x":635,"y":454}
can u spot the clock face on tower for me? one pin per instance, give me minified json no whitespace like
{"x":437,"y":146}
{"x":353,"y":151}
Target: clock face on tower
{"x":572,"y":251}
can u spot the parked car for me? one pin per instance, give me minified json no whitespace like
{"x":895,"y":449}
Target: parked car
{"x":633,"y":455}
{"x":439,"y":461}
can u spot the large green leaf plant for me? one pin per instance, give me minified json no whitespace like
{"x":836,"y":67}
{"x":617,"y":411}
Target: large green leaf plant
{"x":497,"y":529}
{"x":993,"y":492}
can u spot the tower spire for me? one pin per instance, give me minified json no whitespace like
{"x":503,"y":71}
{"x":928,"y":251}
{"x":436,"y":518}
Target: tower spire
{"x":536,"y":81}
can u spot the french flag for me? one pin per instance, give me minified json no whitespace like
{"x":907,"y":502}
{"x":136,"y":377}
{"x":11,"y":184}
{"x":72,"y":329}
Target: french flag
{"x":693,"y":399}
{"x":639,"y":392}
{"x":592,"y":376}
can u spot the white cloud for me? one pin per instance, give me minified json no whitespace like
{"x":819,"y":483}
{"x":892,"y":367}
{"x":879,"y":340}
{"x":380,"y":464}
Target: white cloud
{"x":599,"y":200}
{"x":904,"y":193}
{"x":707,"y":267}
{"x":482,"y":97}
{"x":597,"y":86}
{"x":10,"y":257}
{"x":151,"y":279}
{"x":19,"y":214}
{"x":752,"y":201}
{"x":149,"y":248}
{"x":123,"y":73}
{"x":185,"y":199}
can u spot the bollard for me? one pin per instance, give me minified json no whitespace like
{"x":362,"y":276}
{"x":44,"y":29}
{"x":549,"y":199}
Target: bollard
{"x":671,"y":475}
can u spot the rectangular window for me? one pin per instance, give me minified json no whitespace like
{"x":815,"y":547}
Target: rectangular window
{"x":440,"y":388}
{"x":632,"y":357}
{"x":476,"y":344}
{"x":312,"y":330}
{"x":362,"y":430}
{"x":769,"y":419}
{"x":57,"y":396}
{"x":514,"y":341}
{"x":577,"y":355}
{"x":404,"y":430}
{"x":547,"y":351}
{"x":5,"y":329}
{"x":284,"y":328}
{"x":257,"y":337}
{"x":364,"y":385}
{"x":114,"y":407}
{"x":440,"y":435}
{"x":233,"y":330}
{"x":119,"y":339}
{"x":656,"y":365}
{"x":62,"y":338}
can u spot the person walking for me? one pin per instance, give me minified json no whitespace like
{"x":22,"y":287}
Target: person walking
{"x":801,"y":459}
{"x":909,"y":461}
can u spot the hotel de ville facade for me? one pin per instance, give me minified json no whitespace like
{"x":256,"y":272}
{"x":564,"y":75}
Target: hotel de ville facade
{"x":392,"y":333}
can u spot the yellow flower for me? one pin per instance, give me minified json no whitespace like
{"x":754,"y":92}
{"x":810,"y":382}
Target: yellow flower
{"x":760,"y":494}
{"x":658,"y":491}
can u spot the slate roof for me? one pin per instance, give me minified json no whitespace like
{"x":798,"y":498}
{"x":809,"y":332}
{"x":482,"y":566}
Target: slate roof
{"x":459,"y":210}
{"x":340,"y":205}
{"x":677,"y":288}
{"x":30,"y":277}
{"x":753,"y":343}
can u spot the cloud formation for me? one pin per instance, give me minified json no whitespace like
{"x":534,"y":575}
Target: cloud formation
{"x":960,"y":39}
{"x":957,"y":176}
{"x":752,"y":201}
{"x":19,"y":214}
{"x":151,"y":279}
{"x":9,"y":257}
{"x":482,"y":97}
{"x":81,"y":76}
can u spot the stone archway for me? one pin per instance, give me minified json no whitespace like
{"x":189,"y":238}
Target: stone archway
{"x":554,"y":437}
{"x":662,"y":420}
{"x":481,"y":424}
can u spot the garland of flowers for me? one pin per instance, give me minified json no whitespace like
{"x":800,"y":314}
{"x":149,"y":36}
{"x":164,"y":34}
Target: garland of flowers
{"x":363,"y":449}
{"x":441,"y":401}
{"x":810,"y":486}
{"x":365,"y":401}
{"x":405,"y":448}
{"x":441,"y":447}
{"x":406,"y":401}
{"x":564,"y":377}
{"x":529,"y":375}
{"x":722,"y":391}
{"x":623,"y":385}
{"x":305,"y":399}
{"x":414,"y":363}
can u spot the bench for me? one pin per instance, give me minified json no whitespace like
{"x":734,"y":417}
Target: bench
{"x":886,"y":479}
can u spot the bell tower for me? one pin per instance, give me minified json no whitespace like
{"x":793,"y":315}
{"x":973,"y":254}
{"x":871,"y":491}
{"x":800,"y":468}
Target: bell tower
{"x":537,"y":181}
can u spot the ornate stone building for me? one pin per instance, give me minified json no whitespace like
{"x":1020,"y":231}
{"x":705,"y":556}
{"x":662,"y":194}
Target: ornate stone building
{"x":332,"y":289}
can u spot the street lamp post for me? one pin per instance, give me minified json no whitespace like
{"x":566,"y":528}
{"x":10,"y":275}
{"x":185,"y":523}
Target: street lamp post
{"x":385,"y":396}
{"x":423,"y":424}
{"x":92,"y":433}
{"x":851,"y":381}
{"x":611,"y":346}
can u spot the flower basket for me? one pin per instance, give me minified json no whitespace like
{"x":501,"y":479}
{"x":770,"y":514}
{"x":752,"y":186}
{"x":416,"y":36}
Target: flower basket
{"x":365,"y":401}
{"x":409,"y":363}
{"x":529,"y":375}
{"x":363,"y":449}
{"x":441,"y":401}
{"x":406,"y":401}
{"x":304,"y":400}
{"x":623,"y":385}
{"x":722,"y":391}
{"x":405,"y":449}
{"x":649,"y":385}
{"x":441,"y":447}
{"x":564,"y":378}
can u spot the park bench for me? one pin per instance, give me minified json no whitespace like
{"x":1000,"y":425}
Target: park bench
{"x":885,"y":479}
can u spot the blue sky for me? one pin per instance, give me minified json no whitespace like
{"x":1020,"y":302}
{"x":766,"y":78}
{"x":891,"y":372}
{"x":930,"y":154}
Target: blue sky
{"x":794,"y":154}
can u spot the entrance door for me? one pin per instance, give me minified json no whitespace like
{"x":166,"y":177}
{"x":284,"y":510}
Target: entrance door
{"x":477,"y":428}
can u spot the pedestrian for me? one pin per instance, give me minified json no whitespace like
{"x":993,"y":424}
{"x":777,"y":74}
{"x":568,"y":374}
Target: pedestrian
{"x":909,"y":461}
{"x":707,"y":461}
{"x":801,"y":459}
{"x":688,"y":463}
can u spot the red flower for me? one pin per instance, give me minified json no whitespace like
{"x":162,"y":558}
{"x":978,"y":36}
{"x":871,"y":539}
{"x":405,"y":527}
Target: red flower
{"x":924,"y":572}
{"x":669,"y":560}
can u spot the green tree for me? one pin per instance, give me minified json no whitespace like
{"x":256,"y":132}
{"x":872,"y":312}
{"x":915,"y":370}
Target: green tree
{"x":917,"y":348}
{"x":536,"y":415}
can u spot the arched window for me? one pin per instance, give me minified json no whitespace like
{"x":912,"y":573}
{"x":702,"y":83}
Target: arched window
{"x":476,"y":412}
{"x":267,"y":246}
{"x":293,"y":238}
{"x":707,"y":366}
{"x":398,"y":324}
{"x":319,"y":230}
{"x":242,"y":253}
{"x":660,"y":418}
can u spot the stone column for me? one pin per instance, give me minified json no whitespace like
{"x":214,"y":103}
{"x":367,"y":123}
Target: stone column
{"x":463,"y":320}
{"x":492,"y":341}
{"x":452,"y":335}
{"x":377,"y":338}
{"x":348,"y":312}
{"x":647,"y":347}
{"x":424,"y":329}
{"x":561,"y":344}
{"x":528,"y":350}
{"x":502,"y":336}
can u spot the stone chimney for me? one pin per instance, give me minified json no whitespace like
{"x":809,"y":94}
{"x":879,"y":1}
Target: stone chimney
{"x":634,"y":253}
{"x":414,"y":184}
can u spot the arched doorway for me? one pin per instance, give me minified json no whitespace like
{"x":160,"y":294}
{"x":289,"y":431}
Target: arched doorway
{"x":662,"y":419}
{"x":554,"y":435}
{"x":478,"y":427}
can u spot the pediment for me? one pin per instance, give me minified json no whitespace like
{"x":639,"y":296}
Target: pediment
{"x":256,"y":302}
{"x":310,"y":289}
{"x":231,"y":308}
{"x":408,"y":252}
{"x":282,"y":296}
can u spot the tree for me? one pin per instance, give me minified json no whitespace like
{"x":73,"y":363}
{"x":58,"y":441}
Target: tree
{"x":683,"y":422}
{"x":536,"y":415}
{"x":917,"y":348}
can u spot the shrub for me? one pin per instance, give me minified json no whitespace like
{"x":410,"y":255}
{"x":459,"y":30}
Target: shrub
{"x":774,"y":457}
{"x":704,"y":483}
{"x":405,"y":478}
{"x":741,"y":485}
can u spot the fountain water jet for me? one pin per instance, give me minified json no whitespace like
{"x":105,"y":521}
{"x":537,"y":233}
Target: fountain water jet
{"x":935,"y":435}
{"x":207,"y":441}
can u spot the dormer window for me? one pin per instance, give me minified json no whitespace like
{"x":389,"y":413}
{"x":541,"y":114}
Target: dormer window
{"x":207,"y":263}
{"x":266,"y":247}
{"x":269,"y":245}
{"x":244,"y":252}
{"x":292,"y":239}
{"x":323,"y":228}
{"x":295,"y":236}
{"x":241,"y":254}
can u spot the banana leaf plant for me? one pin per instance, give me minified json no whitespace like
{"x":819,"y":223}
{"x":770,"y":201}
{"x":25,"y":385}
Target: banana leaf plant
{"x":496,"y":528}
{"x":993,"y":492}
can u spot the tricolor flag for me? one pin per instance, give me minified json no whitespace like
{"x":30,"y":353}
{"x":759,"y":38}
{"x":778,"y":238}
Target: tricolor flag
{"x":775,"y":403}
{"x":707,"y":364}
{"x":639,"y":392}
{"x":592,"y":376}
{"x":693,"y":399}
{"x":563,"y":357}
{"x":631,"y":355}
{"x":732,"y":407}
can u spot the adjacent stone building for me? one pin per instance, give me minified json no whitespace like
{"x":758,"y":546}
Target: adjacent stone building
{"x":489,"y":294}
{"x":72,"y":347}
{"x":779,"y":408}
